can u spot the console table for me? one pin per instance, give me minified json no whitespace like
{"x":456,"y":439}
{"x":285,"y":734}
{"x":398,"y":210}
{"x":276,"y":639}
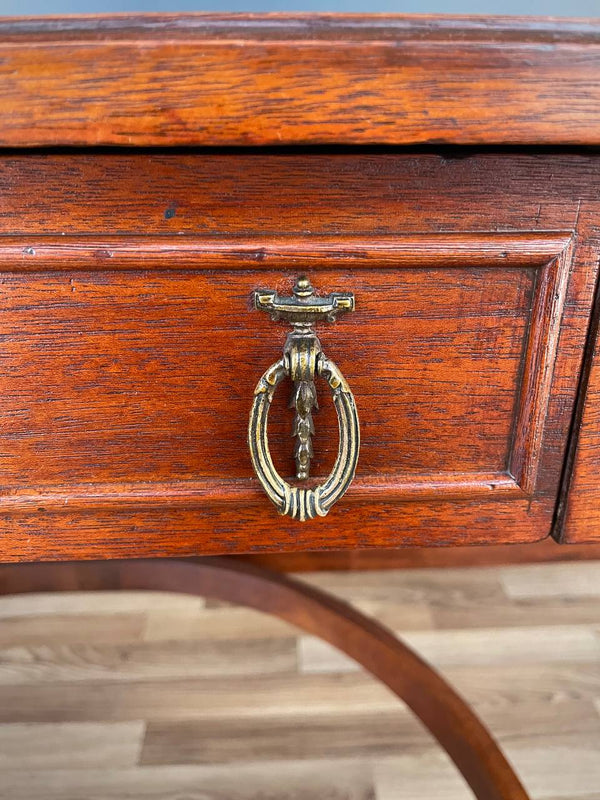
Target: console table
{"x":415,"y":203}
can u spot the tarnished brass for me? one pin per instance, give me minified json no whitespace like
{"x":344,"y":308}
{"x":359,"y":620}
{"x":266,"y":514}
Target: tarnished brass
{"x":303,"y":359}
{"x":304,"y":308}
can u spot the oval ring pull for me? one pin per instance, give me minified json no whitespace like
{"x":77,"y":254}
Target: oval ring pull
{"x":303,"y":360}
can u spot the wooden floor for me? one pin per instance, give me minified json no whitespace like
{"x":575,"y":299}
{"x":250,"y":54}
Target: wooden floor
{"x":120,"y":697}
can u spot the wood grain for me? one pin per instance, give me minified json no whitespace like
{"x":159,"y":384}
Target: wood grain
{"x":68,"y":629}
{"x":214,"y":80}
{"x":126,"y":280}
{"x":299,"y":738}
{"x":138,"y":332}
{"x":295,"y":781}
{"x":546,"y":550}
{"x":475,"y":648}
{"x":208,"y":698}
{"x":578,"y":517}
{"x":70,"y":745}
{"x":71,"y":662}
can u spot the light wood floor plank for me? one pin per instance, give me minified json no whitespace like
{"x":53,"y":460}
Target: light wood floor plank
{"x":178,"y":659}
{"x":213,"y":623}
{"x":308,"y":780}
{"x":330,"y":737}
{"x":114,"y":701}
{"x":593,"y":796}
{"x":558,"y":766}
{"x":70,"y":745}
{"x":549,"y":683}
{"x":465,"y":586}
{"x":343,"y":734}
{"x":429,"y":775}
{"x":555,"y":767}
{"x":577,"y":579}
{"x":94,"y":602}
{"x":224,"y":622}
{"x":481,"y":648}
{"x":58,"y":629}
{"x":518,"y":613}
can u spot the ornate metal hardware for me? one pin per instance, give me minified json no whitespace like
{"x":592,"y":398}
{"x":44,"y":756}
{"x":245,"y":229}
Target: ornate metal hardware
{"x":303,"y":359}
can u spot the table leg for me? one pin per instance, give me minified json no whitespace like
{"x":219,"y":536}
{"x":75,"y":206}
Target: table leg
{"x":435,"y":703}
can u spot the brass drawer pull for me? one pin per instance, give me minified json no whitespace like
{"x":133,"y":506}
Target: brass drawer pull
{"x":303,"y":359}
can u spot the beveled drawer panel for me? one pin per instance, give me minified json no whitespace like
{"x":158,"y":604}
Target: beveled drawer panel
{"x":122,"y":374}
{"x":128,"y":361}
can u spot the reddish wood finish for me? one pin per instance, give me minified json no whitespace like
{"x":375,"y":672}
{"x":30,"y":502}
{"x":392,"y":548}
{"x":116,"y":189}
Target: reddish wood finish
{"x":437,"y":705}
{"x":547,"y":550}
{"x":579,"y":512}
{"x":218,"y":80}
{"x":150,"y":343}
{"x":130,"y":353}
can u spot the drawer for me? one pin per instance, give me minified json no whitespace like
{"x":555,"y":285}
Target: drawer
{"x":579,"y":506}
{"x":131,"y":351}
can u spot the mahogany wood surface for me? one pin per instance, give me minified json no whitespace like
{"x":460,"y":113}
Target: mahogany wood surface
{"x":130,"y":352}
{"x":579,"y":510}
{"x":313,"y":79}
{"x":544,"y":551}
{"x":438,"y":706}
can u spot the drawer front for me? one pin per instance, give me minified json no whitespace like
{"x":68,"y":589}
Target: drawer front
{"x":579,"y":509}
{"x":130,"y":350}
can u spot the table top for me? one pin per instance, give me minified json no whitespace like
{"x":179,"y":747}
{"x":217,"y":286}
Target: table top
{"x":248,"y":80}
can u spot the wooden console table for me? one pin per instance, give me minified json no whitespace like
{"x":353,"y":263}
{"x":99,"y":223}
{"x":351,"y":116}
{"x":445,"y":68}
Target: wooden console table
{"x":431,"y":183}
